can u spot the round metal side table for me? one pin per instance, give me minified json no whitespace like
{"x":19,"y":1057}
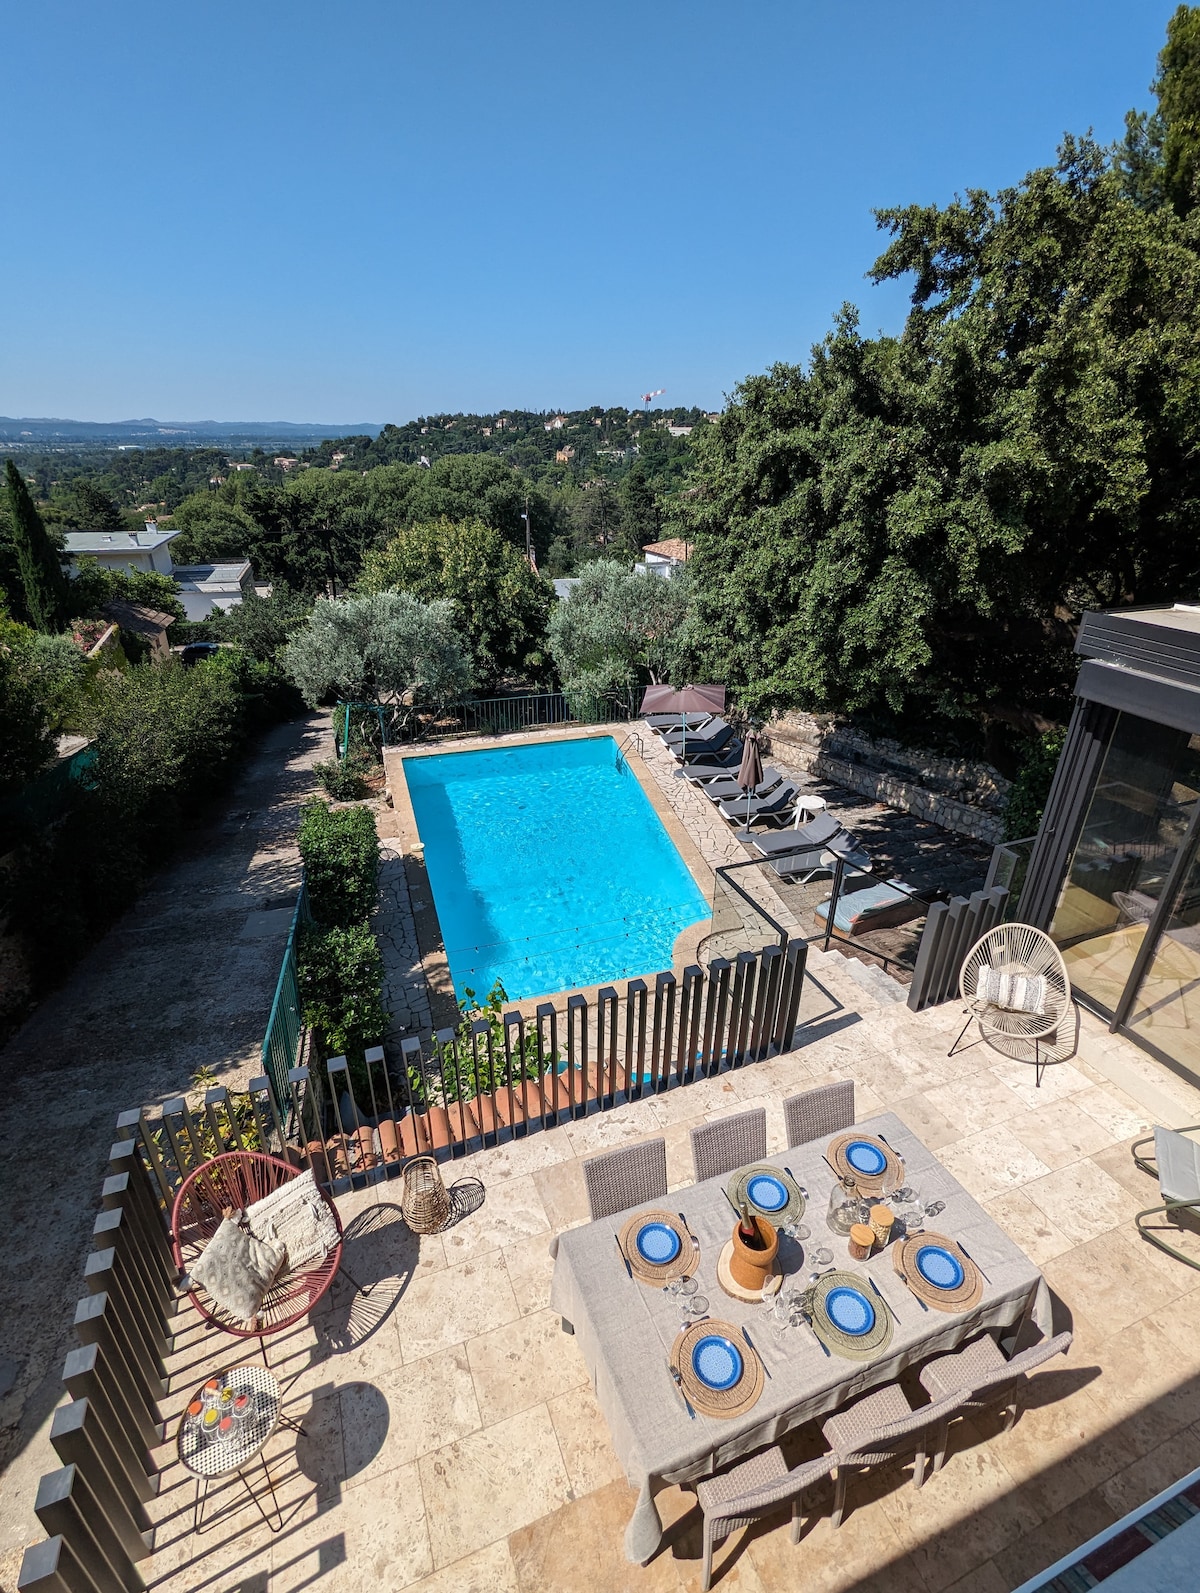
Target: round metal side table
{"x":211,"y":1459}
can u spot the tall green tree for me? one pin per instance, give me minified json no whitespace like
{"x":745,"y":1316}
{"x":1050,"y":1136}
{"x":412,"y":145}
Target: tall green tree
{"x":1178,"y":89}
{"x":501,"y":605}
{"x":44,"y":584}
{"x":618,"y":630}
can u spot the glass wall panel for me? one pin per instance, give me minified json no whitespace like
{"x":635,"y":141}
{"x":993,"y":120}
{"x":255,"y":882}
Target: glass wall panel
{"x":1146,"y":789}
{"x":1166,"y":1010}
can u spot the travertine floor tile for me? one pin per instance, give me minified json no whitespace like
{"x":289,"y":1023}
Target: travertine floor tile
{"x":933,"y":1128}
{"x":375,"y":1537}
{"x":450,"y":1307}
{"x":1082,"y":1201}
{"x":584,"y":1440}
{"x":581,"y":1547}
{"x":1119,"y":1116}
{"x":1152,"y":1472}
{"x":1028,"y":1225}
{"x":512,"y":1210}
{"x":563,"y":1194}
{"x":530,"y":1270}
{"x":1060,"y":1132}
{"x":825,"y":1561}
{"x":523,"y":1363}
{"x":1059,"y":1081}
{"x":1053,"y":1538}
{"x":991,"y":1162}
{"x":975,"y":1105}
{"x":985,"y":1578}
{"x":406,"y":1413}
{"x":1110,"y":1281}
{"x":488,"y":1570}
{"x":492,"y":1483}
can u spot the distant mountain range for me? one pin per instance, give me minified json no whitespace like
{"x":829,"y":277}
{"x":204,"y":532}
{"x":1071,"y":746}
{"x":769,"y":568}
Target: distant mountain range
{"x":31,"y":431}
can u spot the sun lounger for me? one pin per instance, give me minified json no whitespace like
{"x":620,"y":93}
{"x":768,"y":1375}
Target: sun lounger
{"x":879,"y":904}
{"x":698,"y":749}
{"x":816,"y":832}
{"x":711,"y":727}
{"x":777,"y":806}
{"x":661,"y":724}
{"x":726,"y":789}
{"x":718,"y":767}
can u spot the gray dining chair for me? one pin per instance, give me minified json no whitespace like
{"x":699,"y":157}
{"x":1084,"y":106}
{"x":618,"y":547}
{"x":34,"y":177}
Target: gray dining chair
{"x":753,"y":1488}
{"x":880,"y":1428}
{"x":627,"y":1177}
{"x":816,"y":1113}
{"x":729,"y":1143}
{"x":981,"y":1376}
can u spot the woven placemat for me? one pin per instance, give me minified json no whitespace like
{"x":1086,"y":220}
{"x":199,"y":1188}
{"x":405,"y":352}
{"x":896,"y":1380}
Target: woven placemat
{"x":792,"y":1212}
{"x":868,"y":1345}
{"x":744,"y":1394}
{"x":904,"y":1260}
{"x":871,"y":1188}
{"x":684,"y":1264}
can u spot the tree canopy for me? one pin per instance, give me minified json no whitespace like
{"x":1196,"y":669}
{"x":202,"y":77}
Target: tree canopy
{"x":382,"y":647}
{"x":501,"y":606}
{"x":618,"y":630}
{"x":39,"y":591}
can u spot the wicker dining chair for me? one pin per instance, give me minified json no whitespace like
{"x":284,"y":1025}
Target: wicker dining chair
{"x":815,"y":1114}
{"x":627,"y":1177}
{"x":981,"y":1376}
{"x":233,"y":1181}
{"x":880,"y":1428}
{"x":1003,"y":958}
{"x":729,"y":1143}
{"x":753,"y":1488}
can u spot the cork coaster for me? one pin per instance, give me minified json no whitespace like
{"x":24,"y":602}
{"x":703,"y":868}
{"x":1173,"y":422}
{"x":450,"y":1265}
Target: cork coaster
{"x":645,"y":1271}
{"x":737,"y":1291}
{"x":869,"y":1187}
{"x":738,"y":1190}
{"x":904,"y":1260}
{"x":726,"y":1402}
{"x":861,"y":1347}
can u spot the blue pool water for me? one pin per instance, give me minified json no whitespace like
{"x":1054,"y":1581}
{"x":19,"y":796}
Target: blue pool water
{"x":549,"y":867}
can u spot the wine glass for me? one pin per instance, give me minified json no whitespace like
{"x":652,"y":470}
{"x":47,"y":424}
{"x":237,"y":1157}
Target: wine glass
{"x":823,"y":1256}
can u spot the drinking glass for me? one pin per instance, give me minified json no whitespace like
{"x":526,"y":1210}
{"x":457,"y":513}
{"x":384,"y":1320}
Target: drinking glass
{"x":823,"y":1256}
{"x":697,"y":1306}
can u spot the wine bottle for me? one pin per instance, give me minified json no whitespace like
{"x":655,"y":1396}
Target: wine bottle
{"x":748,"y":1229}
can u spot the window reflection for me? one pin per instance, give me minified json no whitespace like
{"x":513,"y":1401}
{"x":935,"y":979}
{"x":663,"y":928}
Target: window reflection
{"x":1141,"y":806}
{"x":1167,"y":1007}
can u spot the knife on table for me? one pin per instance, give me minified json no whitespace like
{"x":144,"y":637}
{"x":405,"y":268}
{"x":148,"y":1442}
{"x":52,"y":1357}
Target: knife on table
{"x":678,"y":1381}
{"x":758,"y":1357}
{"x":875,"y":1290}
{"x":972,"y":1260}
{"x":624,"y":1257}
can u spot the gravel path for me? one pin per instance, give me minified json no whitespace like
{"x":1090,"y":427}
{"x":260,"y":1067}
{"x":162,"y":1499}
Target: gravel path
{"x":184,"y":979}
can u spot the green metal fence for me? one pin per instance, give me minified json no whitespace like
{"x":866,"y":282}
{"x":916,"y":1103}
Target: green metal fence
{"x":285,"y":1027}
{"x":496,"y":715}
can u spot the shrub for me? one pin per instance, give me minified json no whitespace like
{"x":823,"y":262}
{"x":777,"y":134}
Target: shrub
{"x":1027,"y":799}
{"x":340,"y":976}
{"x":340,"y":851}
{"x":345,"y":781}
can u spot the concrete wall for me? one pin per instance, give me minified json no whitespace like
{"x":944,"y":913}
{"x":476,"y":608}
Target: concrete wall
{"x":959,"y":795}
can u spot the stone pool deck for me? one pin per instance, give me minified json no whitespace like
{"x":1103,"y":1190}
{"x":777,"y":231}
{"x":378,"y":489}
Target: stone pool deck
{"x":453,"y":1443}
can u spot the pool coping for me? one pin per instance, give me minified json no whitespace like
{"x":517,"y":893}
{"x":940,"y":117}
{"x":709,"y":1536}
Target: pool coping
{"x":430,"y":944}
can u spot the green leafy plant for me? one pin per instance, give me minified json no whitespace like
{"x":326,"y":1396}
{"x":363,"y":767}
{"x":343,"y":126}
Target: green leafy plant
{"x":340,"y":850}
{"x":468,"y":1079}
{"x":1027,"y":799}
{"x":345,"y":779}
{"x":340,"y":977}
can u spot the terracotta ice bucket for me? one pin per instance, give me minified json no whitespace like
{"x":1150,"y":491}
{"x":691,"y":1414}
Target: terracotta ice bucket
{"x":750,"y":1267}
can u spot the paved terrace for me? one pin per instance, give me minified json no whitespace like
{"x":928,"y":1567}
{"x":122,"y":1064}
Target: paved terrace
{"x":454,"y":1446}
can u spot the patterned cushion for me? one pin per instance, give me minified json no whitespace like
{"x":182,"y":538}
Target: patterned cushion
{"x":296,"y":1216}
{"x":237,"y":1269}
{"x":1012,"y":992}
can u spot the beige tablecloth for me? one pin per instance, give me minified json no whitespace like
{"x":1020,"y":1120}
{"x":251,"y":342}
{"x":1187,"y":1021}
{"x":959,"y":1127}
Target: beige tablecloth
{"x":625,"y":1329}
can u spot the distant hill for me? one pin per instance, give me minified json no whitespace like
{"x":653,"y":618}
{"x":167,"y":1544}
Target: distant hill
{"x":37,"y":432}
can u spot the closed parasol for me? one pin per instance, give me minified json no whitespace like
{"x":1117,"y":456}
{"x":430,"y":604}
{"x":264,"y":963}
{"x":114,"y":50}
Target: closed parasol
{"x":750,"y":771}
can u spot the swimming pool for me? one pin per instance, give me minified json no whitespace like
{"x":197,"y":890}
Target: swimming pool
{"x":549,"y":867}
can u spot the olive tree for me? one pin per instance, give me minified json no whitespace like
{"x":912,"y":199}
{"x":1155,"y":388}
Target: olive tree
{"x":618,"y":629}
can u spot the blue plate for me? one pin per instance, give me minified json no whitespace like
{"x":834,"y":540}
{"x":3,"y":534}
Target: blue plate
{"x":767,"y":1193}
{"x":865,"y":1158}
{"x":939,"y":1267}
{"x":657,"y":1244}
{"x":850,"y":1311}
{"x":716,"y":1361}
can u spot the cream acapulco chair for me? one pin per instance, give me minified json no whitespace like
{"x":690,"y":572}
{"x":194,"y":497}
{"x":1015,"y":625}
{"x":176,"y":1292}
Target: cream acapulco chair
{"x":1016,"y":988}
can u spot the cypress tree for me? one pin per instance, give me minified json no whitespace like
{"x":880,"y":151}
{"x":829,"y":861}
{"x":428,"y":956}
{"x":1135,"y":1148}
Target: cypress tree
{"x":37,"y":558}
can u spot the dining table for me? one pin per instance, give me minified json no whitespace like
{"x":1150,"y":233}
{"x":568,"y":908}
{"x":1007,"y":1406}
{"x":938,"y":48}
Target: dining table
{"x":626,"y":1329}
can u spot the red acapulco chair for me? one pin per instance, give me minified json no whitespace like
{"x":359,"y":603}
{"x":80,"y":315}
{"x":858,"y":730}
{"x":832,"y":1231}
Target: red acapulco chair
{"x":235,"y":1180}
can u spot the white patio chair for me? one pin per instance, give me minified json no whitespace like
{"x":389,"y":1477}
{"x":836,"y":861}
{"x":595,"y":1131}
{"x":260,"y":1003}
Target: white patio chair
{"x":1016,"y":987}
{"x":1176,"y":1165}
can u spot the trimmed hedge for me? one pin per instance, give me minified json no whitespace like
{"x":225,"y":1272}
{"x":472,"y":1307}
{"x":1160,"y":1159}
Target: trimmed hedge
{"x":340,"y":850}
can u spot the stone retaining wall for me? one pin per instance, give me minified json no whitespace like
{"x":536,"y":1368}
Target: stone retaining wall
{"x":959,"y":795}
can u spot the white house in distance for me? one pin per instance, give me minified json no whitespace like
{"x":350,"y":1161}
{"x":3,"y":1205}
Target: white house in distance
{"x":202,"y":587}
{"x":665,"y":559}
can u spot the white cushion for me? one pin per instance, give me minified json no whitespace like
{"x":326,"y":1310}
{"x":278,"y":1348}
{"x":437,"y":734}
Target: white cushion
{"x":1012,"y":992}
{"x":296,"y":1216}
{"x":236,"y":1269}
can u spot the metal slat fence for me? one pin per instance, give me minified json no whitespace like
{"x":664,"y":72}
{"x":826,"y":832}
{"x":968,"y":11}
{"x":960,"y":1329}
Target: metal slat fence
{"x":285,"y":1027}
{"x":490,"y":716}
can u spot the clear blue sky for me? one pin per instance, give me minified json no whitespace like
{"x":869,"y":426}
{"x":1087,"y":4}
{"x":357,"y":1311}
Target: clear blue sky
{"x":370,"y":210}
